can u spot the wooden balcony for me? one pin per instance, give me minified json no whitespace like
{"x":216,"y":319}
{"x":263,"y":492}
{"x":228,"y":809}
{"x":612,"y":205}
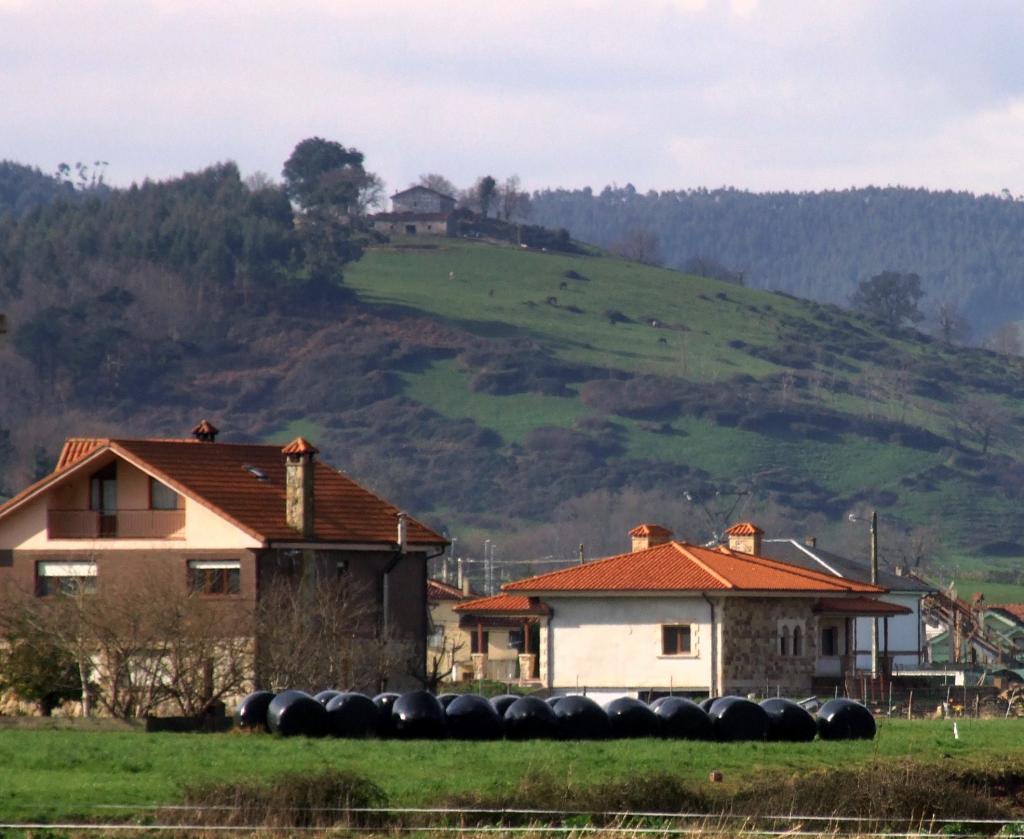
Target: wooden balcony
{"x":124,"y":524}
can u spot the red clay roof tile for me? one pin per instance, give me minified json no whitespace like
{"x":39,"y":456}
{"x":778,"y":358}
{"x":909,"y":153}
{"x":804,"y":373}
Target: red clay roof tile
{"x":678,"y":566}
{"x":1016,"y":610}
{"x":437,"y":591}
{"x":300,"y":445}
{"x":245,"y":484}
{"x":502,"y":603}
{"x":744,"y":528}
{"x":650,"y":530}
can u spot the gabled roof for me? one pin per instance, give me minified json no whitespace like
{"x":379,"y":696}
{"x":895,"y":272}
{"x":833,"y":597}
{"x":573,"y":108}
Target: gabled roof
{"x":1013,"y":610}
{"x":420,"y":188}
{"x":678,"y":566}
{"x":502,"y":604}
{"x":244,"y":483}
{"x":796,"y":552}
{"x":439,"y":591}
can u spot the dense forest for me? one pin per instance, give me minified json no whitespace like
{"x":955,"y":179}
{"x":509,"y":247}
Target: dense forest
{"x":968,"y":249}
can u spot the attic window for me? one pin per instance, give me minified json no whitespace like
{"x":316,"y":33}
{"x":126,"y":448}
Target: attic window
{"x":255,"y":470}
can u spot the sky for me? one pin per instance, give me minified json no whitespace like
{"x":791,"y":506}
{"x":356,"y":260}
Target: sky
{"x":663,"y":94}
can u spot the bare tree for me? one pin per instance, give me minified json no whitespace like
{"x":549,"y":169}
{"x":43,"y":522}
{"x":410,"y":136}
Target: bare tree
{"x":951,"y":326}
{"x":513,"y":202}
{"x":438,"y":183}
{"x":1005,"y":340}
{"x":317,"y":636}
{"x":639,"y":246}
{"x":983,"y":421}
{"x":441,"y":659}
{"x":143,"y":645}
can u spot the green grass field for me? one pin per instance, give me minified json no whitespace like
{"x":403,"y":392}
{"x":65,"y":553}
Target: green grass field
{"x":53,"y":775}
{"x":497,"y":291}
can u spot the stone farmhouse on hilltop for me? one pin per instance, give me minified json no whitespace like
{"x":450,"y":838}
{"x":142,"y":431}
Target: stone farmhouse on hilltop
{"x":418,"y":210}
{"x":224,"y":521}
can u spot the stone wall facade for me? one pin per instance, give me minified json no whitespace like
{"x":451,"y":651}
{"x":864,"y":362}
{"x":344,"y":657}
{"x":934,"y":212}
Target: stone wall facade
{"x":752,"y":659}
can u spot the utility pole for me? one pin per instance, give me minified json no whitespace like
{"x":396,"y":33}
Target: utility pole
{"x":874,"y":581}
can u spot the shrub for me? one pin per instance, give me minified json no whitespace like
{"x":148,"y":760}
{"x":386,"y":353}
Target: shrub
{"x":298,"y":799}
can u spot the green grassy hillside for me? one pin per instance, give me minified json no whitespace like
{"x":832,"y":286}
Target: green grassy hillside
{"x":816,"y":412}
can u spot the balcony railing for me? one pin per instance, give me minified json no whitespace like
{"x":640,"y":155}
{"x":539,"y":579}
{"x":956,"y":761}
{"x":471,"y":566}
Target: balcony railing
{"x":124,"y":524}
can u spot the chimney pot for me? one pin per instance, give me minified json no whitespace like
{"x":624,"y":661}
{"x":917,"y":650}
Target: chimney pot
{"x":745,"y":538}
{"x":205,"y":432}
{"x":646,"y":536}
{"x":467,"y":588}
{"x":811,"y":541}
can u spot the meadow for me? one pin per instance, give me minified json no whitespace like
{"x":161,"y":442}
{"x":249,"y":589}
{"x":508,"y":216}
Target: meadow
{"x":714,"y":340}
{"x":60,"y":775}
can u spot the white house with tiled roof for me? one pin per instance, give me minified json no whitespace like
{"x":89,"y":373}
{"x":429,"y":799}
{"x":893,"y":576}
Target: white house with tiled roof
{"x":221,"y":520}
{"x":671,"y":616}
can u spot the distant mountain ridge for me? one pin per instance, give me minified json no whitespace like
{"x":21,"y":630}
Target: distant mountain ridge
{"x":968,"y":249}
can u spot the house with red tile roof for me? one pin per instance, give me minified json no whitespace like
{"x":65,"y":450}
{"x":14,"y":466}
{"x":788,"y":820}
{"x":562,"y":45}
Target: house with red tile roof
{"x":223,"y":520}
{"x":504,"y":633}
{"x":900,"y":638}
{"x":671,"y":616}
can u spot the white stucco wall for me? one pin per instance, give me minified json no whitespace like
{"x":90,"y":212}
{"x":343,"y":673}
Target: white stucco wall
{"x":613,"y":644}
{"x":905,"y":634}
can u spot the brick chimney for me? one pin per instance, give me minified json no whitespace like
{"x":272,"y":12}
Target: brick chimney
{"x":205,"y":432}
{"x":745,"y":538}
{"x":298,"y":485}
{"x":648,"y":535}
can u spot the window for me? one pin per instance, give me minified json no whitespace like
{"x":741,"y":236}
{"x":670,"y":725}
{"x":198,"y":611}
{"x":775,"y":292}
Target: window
{"x":515,"y":639}
{"x":784,"y":641}
{"x":65,"y":578}
{"x":214,"y":577}
{"x":830,"y":641}
{"x":161,"y":496}
{"x":791,"y":638}
{"x":103,"y":490}
{"x":103,"y":499}
{"x":475,"y":645}
{"x":675,"y":640}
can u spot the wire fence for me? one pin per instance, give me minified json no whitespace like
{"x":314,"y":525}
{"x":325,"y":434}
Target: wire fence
{"x":190,"y":820}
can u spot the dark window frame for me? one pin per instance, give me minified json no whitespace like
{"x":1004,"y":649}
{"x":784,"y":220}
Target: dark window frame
{"x":677,"y":639}
{"x":214,"y":582}
{"x":153,"y":485}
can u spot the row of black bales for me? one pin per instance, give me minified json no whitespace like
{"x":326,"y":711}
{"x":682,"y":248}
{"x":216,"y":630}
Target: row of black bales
{"x":421,"y":715}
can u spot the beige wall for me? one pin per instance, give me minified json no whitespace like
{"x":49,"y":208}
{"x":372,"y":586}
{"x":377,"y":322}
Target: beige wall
{"x":615,"y":643}
{"x":442,"y":614}
{"x":26,"y":528}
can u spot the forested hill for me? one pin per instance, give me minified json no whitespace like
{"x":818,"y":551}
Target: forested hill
{"x":968,"y":250}
{"x":539,"y":399}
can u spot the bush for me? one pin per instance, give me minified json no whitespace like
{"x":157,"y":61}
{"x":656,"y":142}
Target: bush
{"x":299,"y":800}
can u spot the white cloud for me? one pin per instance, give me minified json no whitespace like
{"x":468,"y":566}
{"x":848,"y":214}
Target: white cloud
{"x":663,"y":93}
